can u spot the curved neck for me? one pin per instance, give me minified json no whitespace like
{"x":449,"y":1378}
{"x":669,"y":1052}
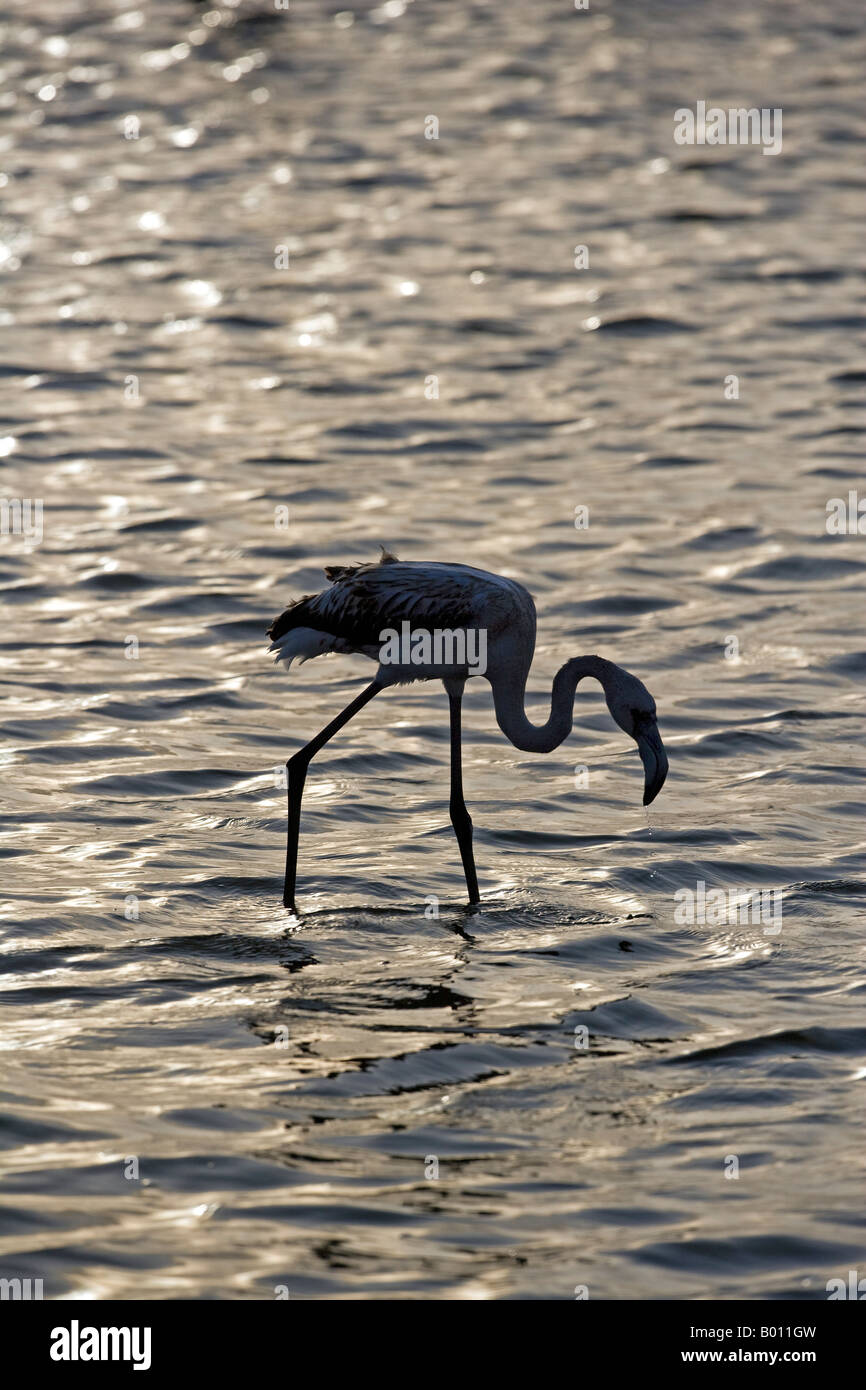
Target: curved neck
{"x":508,"y":700}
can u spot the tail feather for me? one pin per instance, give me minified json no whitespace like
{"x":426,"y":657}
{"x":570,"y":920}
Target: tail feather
{"x":302,"y":643}
{"x":302,"y":630}
{"x":296,"y":634}
{"x":296,"y":615}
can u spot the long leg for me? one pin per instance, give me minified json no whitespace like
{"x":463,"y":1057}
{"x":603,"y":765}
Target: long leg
{"x":460,"y":817}
{"x":296,"y":769}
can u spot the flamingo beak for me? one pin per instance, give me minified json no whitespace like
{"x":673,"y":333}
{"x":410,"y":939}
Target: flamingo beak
{"x":655,"y":762}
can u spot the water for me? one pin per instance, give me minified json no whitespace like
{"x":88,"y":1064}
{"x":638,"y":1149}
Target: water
{"x":284,"y":1093}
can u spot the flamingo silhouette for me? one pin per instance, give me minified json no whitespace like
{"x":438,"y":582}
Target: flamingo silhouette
{"x":367,"y":603}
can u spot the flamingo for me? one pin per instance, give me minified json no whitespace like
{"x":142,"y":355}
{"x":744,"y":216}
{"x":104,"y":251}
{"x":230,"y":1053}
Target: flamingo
{"x":368,"y":602}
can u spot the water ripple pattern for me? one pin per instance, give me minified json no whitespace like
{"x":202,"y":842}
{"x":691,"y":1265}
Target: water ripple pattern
{"x":254,"y":321}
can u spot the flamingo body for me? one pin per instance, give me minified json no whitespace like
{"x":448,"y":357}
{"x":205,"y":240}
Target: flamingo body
{"x":366,"y":600}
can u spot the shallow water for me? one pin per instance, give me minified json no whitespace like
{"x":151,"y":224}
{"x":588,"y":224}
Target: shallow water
{"x":288,"y":1090}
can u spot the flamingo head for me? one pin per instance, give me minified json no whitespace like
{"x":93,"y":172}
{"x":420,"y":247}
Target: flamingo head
{"x":634,"y":710}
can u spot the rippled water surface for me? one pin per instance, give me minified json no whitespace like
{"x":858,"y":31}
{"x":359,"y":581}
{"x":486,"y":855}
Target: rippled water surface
{"x":285,"y":1090}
